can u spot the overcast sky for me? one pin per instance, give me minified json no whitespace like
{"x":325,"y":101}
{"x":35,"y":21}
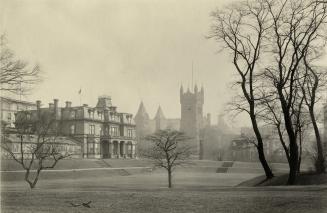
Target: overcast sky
{"x":132,"y":50}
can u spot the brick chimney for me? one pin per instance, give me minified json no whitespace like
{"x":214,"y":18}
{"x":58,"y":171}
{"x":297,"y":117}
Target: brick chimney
{"x":38,"y":104}
{"x":68,"y":104}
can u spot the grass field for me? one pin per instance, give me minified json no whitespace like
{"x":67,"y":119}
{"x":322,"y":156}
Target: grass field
{"x":147,"y":192}
{"x":197,"y":189}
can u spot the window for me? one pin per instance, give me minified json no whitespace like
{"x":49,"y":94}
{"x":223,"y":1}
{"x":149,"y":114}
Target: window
{"x":91,"y":114}
{"x":130,"y":133}
{"x":72,"y":129}
{"x":91,"y":147}
{"x":91,"y":129}
{"x":114,"y":131}
{"x":73,"y":114}
{"x":9,"y":116}
{"x":16,"y":148}
{"x":100,"y":115}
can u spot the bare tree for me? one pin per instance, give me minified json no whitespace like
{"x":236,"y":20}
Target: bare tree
{"x":241,"y":29}
{"x":16,"y":76}
{"x":37,"y":146}
{"x":314,"y":83}
{"x":294,"y":27}
{"x":169,"y":150}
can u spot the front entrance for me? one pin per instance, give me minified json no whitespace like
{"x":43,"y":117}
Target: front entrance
{"x":105,"y":149}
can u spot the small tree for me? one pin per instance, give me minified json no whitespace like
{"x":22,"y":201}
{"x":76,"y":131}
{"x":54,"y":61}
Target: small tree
{"x":37,"y":145}
{"x":169,"y":150}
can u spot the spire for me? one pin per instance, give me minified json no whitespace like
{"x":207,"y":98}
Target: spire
{"x":142,"y":111}
{"x":181,"y":90}
{"x":196,"y":88}
{"x":159,"y":114}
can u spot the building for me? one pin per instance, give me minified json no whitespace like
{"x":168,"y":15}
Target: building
{"x":217,"y":139}
{"x":100,"y":131}
{"x":145,"y":125}
{"x":10,"y":106}
{"x":191,"y":121}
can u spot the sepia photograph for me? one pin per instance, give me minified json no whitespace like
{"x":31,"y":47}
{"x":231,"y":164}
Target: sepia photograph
{"x":163,"y":106}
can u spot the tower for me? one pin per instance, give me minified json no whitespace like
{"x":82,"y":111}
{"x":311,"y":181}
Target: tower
{"x":192,"y":115}
{"x":142,"y":121}
{"x":159,"y":119}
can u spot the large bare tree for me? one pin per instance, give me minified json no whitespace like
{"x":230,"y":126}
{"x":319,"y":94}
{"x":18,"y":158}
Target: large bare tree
{"x":37,"y":148}
{"x":313,"y":86}
{"x":241,"y":29}
{"x":295,"y":25}
{"x":169,"y":149}
{"x":16,"y":76}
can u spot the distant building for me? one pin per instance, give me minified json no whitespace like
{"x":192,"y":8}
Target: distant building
{"x":217,"y":139}
{"x":145,"y":125}
{"x":191,"y":121}
{"x":100,"y":131}
{"x":10,"y":106}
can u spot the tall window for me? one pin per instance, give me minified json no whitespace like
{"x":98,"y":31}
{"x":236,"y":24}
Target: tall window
{"x":91,"y":129}
{"x":130,"y":133}
{"x":73,"y":114}
{"x":100,"y":115}
{"x":114,"y":131}
{"x":72,"y":129}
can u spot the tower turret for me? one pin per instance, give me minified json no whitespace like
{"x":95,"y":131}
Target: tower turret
{"x":196,"y":89}
{"x":192,"y":115}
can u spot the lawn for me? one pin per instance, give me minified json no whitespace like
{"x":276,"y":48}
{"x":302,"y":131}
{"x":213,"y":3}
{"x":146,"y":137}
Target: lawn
{"x":147,"y":192}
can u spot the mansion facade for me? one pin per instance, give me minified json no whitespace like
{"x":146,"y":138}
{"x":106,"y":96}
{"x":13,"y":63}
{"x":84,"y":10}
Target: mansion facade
{"x":96,"y":132}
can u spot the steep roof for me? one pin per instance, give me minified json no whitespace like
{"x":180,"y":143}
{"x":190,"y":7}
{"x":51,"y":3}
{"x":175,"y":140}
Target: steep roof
{"x":159,"y":114}
{"x":141,"y":112}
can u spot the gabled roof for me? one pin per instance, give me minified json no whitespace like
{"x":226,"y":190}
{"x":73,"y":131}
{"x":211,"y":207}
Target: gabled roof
{"x":159,"y":114}
{"x":142,"y":112}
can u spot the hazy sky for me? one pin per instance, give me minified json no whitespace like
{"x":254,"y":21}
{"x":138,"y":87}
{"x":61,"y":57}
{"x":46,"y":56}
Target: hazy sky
{"x":132,"y":50}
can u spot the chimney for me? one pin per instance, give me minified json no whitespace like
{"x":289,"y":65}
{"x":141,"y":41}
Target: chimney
{"x":55,"y":101}
{"x":51,"y":106}
{"x":38,"y":104}
{"x":68,"y":104}
{"x":85,"y":105}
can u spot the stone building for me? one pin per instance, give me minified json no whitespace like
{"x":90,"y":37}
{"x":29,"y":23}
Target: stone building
{"x":145,"y":125}
{"x":100,"y":131}
{"x":191,"y":121}
{"x":10,"y":106}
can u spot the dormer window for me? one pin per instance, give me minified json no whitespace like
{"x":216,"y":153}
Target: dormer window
{"x":73,"y":114}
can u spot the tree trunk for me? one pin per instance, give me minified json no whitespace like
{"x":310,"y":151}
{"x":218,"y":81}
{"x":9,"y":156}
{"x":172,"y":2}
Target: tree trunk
{"x":320,"y":161}
{"x":300,"y":154}
{"x":260,"y":148}
{"x":293,"y":150}
{"x":293,"y":163}
{"x":169,"y":179}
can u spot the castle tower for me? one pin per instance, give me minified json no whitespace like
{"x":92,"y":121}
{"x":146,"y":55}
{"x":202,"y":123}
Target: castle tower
{"x":192,"y":115}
